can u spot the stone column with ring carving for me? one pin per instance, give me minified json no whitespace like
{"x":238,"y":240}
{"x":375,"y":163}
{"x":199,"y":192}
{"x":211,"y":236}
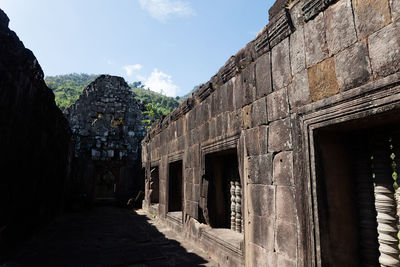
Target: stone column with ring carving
{"x":385,"y":205}
{"x":233,"y":206}
{"x":238,"y":209}
{"x":369,"y":252}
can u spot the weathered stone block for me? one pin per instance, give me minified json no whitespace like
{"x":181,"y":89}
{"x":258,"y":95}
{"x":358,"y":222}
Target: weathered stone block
{"x":312,"y":8}
{"x":207,"y":109}
{"x":253,"y":171}
{"x":196,"y":176}
{"x":218,"y":101}
{"x":212,"y":129}
{"x":285,"y":204}
{"x":353,"y":66}
{"x":229,"y":96}
{"x":297,"y":51}
{"x":281,"y":70}
{"x":286,"y":239}
{"x":279,"y":27}
{"x":224,"y":97}
{"x":204,"y":132}
{"x":265,"y":167}
{"x":251,"y":141}
{"x":277,"y":105}
{"x":384,"y":50}
{"x":279,"y":136}
{"x":283,"y":261}
{"x":370,"y":16}
{"x":283,"y":168}
{"x":277,"y":7}
{"x":196,"y":192}
{"x":258,"y":256}
{"x":262,"y":200}
{"x":188,"y":191}
{"x":262,"y":232}
{"x":259,"y":112}
{"x":263,"y":139}
{"x":263,"y":75}
{"x":340,"y":30}
{"x":224,"y":123}
{"x":260,"y":169}
{"x":296,"y":15}
{"x":249,"y":84}
{"x":214,"y":105}
{"x":298,"y":90}
{"x":181,"y":143}
{"x":179,"y":127}
{"x":238,"y":92}
{"x":395,"y":7}
{"x":246,"y":116}
{"x":235,"y":120}
{"x":267,"y":233}
{"x":194,"y":209}
{"x":261,"y":43}
{"x":322,"y":80}
{"x":315,"y":41}
{"x":195,"y":135}
{"x":219,"y":125}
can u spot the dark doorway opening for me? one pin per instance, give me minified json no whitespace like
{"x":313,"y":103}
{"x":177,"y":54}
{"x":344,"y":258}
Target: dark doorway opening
{"x":355,"y":161}
{"x":154,"y":186}
{"x":175,"y":192}
{"x":221,"y":170}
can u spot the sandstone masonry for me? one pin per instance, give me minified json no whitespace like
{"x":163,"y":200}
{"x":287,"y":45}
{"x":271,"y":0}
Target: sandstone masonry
{"x":107,"y":126}
{"x":35,"y":145}
{"x":287,"y":118}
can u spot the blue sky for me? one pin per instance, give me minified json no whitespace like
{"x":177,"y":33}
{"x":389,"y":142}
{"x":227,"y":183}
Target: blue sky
{"x":171,"y":45}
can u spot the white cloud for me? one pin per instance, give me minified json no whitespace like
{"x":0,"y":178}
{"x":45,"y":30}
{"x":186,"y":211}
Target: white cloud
{"x":130,"y":69}
{"x":162,"y":83}
{"x":164,"y":9}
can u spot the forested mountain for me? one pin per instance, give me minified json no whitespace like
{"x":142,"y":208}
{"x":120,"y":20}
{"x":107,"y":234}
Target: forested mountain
{"x":67,"y":89}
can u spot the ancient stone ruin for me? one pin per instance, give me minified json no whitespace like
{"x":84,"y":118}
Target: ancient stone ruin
{"x":273,"y":162}
{"x":35,"y":145}
{"x":106,"y":123}
{"x":288,"y":156}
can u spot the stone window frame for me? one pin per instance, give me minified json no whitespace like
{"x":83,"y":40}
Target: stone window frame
{"x":231,"y":142}
{"x":155,"y":164}
{"x":178,"y":156}
{"x":365,"y":101}
{"x":215,"y":146}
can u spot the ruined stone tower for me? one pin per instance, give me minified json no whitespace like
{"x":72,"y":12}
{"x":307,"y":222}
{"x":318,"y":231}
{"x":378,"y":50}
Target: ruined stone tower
{"x":107,"y":126}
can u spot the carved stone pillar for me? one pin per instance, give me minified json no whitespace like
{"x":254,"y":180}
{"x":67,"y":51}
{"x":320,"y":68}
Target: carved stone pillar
{"x":233,"y":206}
{"x":369,"y":252}
{"x":238,"y":209}
{"x":385,"y":205}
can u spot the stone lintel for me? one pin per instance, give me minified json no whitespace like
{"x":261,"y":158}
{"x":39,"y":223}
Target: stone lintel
{"x":279,"y":28}
{"x":312,"y":8}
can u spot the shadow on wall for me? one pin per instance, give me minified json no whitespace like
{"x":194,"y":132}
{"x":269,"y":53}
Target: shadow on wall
{"x":104,"y":236}
{"x":35,"y":145}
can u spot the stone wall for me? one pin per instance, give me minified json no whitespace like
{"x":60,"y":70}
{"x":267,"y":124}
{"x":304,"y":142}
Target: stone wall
{"x":34,"y":141}
{"x":107,"y":125}
{"x":316,"y":61}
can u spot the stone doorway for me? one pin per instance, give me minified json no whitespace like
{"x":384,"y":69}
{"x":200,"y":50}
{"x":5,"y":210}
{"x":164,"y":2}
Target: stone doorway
{"x":105,"y":185}
{"x":154,"y":186}
{"x":224,"y":191}
{"x":356,"y":177}
{"x":175,"y":185}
